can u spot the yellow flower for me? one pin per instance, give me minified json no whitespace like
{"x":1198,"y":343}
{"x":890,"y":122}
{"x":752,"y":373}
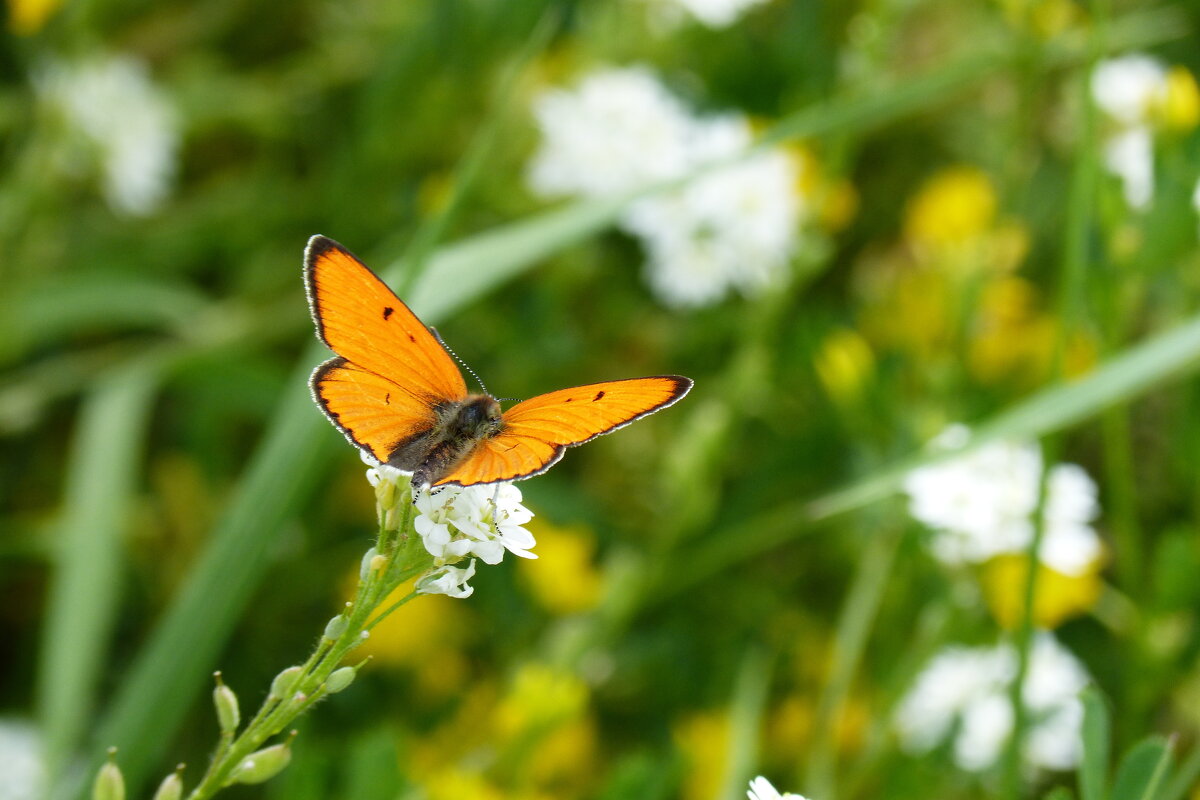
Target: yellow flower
{"x":1178,"y":105}
{"x":1059,"y":597}
{"x":26,"y":17}
{"x":953,"y":208}
{"x":844,"y":363}
{"x":704,"y":740}
{"x":564,"y":579}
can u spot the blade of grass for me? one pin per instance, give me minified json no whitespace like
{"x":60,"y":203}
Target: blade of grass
{"x":103,"y":466}
{"x":1184,"y":779}
{"x":853,"y":630}
{"x":1142,"y":770}
{"x":1093,"y":774}
{"x":749,"y":698}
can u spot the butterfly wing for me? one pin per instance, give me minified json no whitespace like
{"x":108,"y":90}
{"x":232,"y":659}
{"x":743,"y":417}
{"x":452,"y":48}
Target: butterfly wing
{"x":537,"y":431}
{"x":371,"y":411}
{"x":393,"y":371}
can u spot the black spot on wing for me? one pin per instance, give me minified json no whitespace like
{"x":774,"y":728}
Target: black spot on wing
{"x":599,"y":394}
{"x":387,"y":312}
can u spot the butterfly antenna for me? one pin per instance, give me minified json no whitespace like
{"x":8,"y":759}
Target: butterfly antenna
{"x":461,"y":363}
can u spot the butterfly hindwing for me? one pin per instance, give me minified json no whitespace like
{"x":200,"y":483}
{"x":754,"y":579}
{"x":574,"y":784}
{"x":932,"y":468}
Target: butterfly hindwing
{"x":538,"y":430}
{"x":373,"y":412}
{"x":363,"y":321}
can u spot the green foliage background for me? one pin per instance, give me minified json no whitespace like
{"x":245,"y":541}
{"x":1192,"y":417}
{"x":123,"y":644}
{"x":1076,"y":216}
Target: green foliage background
{"x":173,"y":503}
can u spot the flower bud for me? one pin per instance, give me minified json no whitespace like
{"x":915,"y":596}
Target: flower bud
{"x":378,"y":563}
{"x":335,"y":627}
{"x":228,"y":714}
{"x":262,"y":765}
{"x":110,"y":784}
{"x":367,"y":559}
{"x":340,"y":679}
{"x":284,"y":682}
{"x":172,"y":786}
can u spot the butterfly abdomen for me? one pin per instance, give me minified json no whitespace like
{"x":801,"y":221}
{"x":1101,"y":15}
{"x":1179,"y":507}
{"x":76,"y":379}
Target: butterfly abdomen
{"x":460,"y":427}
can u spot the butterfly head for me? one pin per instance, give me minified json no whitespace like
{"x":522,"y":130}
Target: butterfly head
{"x":477,"y":418}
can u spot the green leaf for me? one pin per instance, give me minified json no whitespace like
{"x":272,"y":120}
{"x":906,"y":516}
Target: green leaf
{"x":745,"y":715}
{"x":1093,"y":772}
{"x":58,"y":309}
{"x":1059,"y":793}
{"x":1142,"y":770}
{"x":104,"y":464}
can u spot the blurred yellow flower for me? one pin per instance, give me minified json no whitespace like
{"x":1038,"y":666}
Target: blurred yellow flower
{"x":1045,"y":18}
{"x":844,"y":363}
{"x":564,"y":757}
{"x":908,"y":308}
{"x":459,"y":784}
{"x":564,"y":579}
{"x":539,"y":698}
{"x":1059,"y":597}
{"x":425,"y":635}
{"x":703,"y":738}
{"x":952,"y":208}
{"x":1178,"y":104}
{"x":26,"y":17}
{"x":1012,"y":340}
{"x":833,"y":201}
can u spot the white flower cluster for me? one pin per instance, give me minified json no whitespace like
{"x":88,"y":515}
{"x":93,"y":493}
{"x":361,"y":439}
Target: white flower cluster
{"x":460,"y":522}
{"x":761,"y":789}
{"x":711,"y":13}
{"x":128,"y":121}
{"x":21,"y":752}
{"x":981,"y":505}
{"x":1127,"y":89}
{"x":970,"y":686}
{"x":621,"y":129}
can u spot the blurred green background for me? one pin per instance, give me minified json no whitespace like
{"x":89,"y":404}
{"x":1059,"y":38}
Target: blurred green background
{"x":730,"y":588}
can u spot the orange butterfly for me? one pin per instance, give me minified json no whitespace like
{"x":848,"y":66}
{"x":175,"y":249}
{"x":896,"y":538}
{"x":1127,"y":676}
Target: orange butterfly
{"x":396,"y":393}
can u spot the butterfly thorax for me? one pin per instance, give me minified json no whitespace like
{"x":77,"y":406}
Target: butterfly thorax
{"x":460,"y":425}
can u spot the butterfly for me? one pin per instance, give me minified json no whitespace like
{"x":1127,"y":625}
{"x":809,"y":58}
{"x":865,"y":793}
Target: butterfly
{"x":395,"y":391}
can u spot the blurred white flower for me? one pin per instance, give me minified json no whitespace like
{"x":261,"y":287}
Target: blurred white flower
{"x":1126,"y":88}
{"x":761,"y":789}
{"x":981,"y":505}
{"x":733,"y":229}
{"x":1129,"y":155}
{"x":22,"y":772}
{"x":617,"y":130}
{"x":711,"y":13}
{"x":970,"y":685}
{"x":129,"y":122}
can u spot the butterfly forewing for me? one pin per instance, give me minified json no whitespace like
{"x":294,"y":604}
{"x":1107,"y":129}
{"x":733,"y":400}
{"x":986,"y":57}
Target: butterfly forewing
{"x":363,"y":321}
{"x":538,"y":430}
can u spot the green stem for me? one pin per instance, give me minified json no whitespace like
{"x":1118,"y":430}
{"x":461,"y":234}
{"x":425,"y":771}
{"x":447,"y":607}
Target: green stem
{"x":854,"y":627}
{"x":403,"y":559}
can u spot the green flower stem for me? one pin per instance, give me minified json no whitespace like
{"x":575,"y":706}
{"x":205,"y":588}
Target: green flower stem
{"x":399,"y":556}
